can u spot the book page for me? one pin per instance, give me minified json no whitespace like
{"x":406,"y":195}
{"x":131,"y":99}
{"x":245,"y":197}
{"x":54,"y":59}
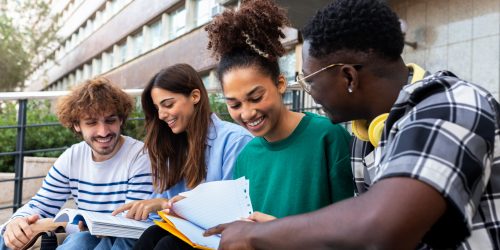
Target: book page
{"x":108,"y":219}
{"x":104,"y":224}
{"x":72,"y":216}
{"x":69,"y":215}
{"x":65,"y":215}
{"x":214,"y":203}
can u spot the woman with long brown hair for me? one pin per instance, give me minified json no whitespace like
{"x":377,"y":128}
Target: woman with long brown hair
{"x":187,"y":144}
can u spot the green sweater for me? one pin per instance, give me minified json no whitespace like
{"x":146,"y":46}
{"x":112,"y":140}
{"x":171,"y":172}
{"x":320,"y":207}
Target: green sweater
{"x":304,"y":172}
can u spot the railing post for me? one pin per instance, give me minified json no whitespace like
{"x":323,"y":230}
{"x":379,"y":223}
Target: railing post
{"x":302,"y":98}
{"x":296,"y":101}
{"x":19,"y":159}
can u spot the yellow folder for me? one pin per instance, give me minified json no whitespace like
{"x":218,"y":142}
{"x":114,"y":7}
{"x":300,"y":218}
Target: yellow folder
{"x":170,"y":227}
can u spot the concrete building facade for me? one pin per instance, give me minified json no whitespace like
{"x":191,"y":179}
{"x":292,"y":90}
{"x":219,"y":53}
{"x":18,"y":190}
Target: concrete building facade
{"x":129,"y":41}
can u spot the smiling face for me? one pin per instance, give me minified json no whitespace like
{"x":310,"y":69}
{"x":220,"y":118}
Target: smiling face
{"x":254,"y":100}
{"x":175,"y":109}
{"x":102,"y":134}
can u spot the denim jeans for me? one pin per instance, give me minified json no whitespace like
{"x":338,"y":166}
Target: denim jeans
{"x":2,"y":243}
{"x":113,"y":243}
{"x":85,"y":241}
{"x":79,"y":240}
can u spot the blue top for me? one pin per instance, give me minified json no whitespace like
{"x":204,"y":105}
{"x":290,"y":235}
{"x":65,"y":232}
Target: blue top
{"x":224,"y":143}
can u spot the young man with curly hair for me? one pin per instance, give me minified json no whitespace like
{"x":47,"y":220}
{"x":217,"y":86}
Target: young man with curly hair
{"x":101,"y":173}
{"x":426,"y":156}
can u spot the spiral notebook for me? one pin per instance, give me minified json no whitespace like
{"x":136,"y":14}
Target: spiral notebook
{"x":206,"y":206}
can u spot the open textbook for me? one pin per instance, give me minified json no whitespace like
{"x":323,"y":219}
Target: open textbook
{"x":104,"y":224}
{"x":206,"y":206}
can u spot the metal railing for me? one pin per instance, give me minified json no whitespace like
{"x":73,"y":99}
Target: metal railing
{"x":296,"y":100}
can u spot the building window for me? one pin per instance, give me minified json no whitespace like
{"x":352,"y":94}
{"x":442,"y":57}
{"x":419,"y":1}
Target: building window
{"x":72,"y":41}
{"x":107,"y":59}
{"x":71,"y":81}
{"x":137,"y":44}
{"x":64,"y":82}
{"x":210,"y":81}
{"x":78,"y":76}
{"x":206,"y":80}
{"x":80,"y":35}
{"x":98,"y":20}
{"x":205,"y":10}
{"x":90,"y":27}
{"x":288,"y":65}
{"x":87,"y":71}
{"x":177,"y":23}
{"x":123,"y":52}
{"x":156,"y":34}
{"x":59,"y":53}
{"x":67,"y":46}
{"x":113,"y":7}
{"x":96,"y":66}
{"x":106,"y":13}
{"x":120,"y":54}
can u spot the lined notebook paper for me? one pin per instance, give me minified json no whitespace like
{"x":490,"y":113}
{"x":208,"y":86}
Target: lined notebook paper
{"x":206,"y":206}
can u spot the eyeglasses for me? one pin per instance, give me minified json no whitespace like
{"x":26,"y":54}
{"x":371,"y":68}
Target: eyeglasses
{"x":301,"y":79}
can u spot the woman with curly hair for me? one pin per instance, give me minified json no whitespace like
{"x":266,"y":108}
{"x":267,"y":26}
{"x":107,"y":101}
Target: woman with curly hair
{"x":303,"y":159}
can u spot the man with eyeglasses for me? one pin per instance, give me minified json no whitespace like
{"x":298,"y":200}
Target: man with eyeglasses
{"x":426,"y":157}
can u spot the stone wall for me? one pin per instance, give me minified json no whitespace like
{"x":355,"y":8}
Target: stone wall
{"x":462,"y":36}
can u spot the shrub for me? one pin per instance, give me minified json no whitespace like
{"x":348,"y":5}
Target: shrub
{"x":219,"y":107}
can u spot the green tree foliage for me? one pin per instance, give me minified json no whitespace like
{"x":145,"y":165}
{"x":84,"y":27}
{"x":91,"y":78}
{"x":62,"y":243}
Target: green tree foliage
{"x":36,"y":137}
{"x":14,"y":59}
{"x":219,"y":107}
{"x":28,"y":35}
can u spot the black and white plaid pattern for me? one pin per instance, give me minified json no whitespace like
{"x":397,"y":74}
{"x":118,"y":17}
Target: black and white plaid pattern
{"x":445,"y":132}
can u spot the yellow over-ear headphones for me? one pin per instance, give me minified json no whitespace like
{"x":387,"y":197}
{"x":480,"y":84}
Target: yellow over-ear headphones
{"x":373,"y":132}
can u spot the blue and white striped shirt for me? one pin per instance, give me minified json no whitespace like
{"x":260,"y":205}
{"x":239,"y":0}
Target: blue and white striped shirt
{"x":94,"y":186}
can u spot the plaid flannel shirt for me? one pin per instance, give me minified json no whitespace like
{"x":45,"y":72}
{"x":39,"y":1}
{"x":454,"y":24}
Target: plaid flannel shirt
{"x":445,"y":132}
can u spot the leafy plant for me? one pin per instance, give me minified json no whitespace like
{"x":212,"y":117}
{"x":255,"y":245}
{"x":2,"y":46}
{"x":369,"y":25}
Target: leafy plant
{"x":219,"y":107}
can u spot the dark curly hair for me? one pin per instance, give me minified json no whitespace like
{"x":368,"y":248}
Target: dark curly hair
{"x":357,"y":25}
{"x":249,"y":36}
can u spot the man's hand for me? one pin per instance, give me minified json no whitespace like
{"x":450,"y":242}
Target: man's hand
{"x":235,"y":235}
{"x":18,"y":232}
{"x":45,"y":225}
{"x":139,"y":210}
